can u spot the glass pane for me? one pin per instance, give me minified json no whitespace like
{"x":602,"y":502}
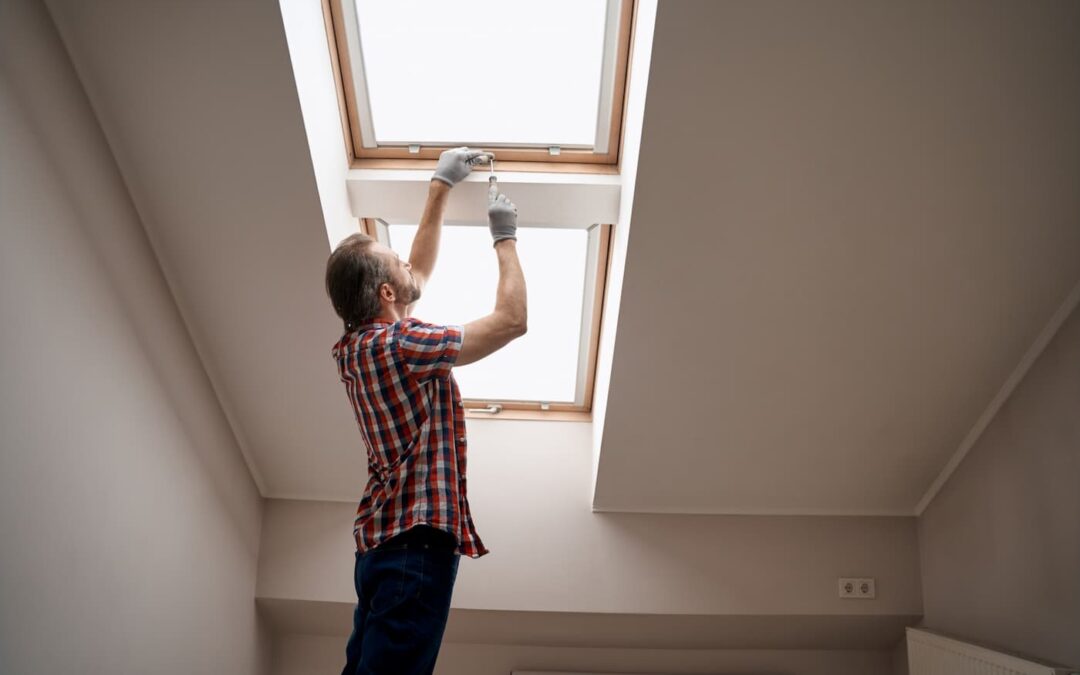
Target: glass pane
{"x":483,"y":71}
{"x":542,"y":365}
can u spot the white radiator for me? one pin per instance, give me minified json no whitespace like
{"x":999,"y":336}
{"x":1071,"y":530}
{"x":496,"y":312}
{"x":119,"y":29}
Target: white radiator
{"x":933,"y":654}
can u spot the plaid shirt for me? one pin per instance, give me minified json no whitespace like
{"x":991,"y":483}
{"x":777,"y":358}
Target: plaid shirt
{"x":409,"y":410}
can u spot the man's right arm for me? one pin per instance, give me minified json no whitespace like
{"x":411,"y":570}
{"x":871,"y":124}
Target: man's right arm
{"x":509,"y":320}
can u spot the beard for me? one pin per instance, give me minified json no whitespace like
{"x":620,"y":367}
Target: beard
{"x":409,"y":292}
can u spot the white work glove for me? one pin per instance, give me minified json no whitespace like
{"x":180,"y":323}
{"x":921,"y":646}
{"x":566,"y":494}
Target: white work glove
{"x":502,"y":217}
{"x":455,"y":164}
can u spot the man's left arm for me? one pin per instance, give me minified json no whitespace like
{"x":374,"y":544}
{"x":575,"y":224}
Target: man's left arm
{"x":454,"y":165}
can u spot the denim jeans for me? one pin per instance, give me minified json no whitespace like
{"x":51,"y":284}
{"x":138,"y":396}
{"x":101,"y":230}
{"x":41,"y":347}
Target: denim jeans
{"x":403,"y":590}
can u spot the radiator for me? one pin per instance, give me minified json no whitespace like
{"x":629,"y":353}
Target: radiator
{"x":933,"y":654}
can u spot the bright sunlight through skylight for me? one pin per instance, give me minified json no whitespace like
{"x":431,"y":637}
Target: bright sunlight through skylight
{"x":542,"y":365}
{"x":483,"y":72}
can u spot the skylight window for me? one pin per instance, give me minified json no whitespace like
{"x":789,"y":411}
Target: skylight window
{"x":456,"y":84}
{"x":543,"y":364}
{"x":540,"y":80}
{"x":551,"y":367}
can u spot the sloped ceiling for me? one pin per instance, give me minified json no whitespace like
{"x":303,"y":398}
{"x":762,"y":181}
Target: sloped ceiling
{"x":199,"y":105}
{"x":851,"y":221}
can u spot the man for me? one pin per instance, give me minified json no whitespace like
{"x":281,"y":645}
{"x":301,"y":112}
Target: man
{"x":413,"y":519}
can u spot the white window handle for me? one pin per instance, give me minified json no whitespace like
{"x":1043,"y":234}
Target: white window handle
{"x":493,"y":409}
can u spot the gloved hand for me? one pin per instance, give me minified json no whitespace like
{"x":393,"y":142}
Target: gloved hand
{"x":502,"y":217}
{"x":455,"y":164}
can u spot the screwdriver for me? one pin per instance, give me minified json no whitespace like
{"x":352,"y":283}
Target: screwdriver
{"x":493,"y":182}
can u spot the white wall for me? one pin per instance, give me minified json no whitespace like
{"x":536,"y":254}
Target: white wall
{"x":305,"y":31}
{"x":312,"y":655}
{"x":1000,"y":543}
{"x":129,"y":522}
{"x":550,"y":552}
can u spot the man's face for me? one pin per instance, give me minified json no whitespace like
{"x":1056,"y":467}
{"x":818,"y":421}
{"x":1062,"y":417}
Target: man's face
{"x":402,"y":280}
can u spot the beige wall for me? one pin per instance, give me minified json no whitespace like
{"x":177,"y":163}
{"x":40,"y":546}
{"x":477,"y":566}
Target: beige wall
{"x":550,"y":552}
{"x":314,"y":655}
{"x":1000,"y":544}
{"x":899,"y":659}
{"x":129,"y":522}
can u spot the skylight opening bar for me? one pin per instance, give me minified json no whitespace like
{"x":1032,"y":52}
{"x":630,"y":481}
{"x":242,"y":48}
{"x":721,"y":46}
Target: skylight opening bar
{"x":595,"y":266}
{"x":483,"y":145}
{"x":608,"y":73}
{"x":354,"y":71}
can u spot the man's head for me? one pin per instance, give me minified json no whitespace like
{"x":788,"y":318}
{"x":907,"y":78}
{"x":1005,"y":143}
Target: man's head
{"x":365,"y":279}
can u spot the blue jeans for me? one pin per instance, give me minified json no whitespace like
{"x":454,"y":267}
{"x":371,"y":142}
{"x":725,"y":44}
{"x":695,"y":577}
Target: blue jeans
{"x":403,"y":590}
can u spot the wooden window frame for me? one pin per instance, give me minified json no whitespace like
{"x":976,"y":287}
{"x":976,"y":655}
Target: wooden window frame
{"x":528,"y":410}
{"x":569,"y":160}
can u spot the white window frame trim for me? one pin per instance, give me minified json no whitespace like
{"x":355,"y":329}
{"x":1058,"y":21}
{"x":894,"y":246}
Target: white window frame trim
{"x":608,"y":82}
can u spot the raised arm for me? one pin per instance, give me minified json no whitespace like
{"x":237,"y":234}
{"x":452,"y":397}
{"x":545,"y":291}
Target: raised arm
{"x":454,"y":165}
{"x":425,"y":246}
{"x":510,"y":318}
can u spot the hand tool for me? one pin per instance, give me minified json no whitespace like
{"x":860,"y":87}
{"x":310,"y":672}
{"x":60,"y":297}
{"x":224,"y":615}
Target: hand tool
{"x":493,"y":182}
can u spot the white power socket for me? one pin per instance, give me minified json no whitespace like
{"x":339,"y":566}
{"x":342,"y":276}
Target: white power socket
{"x":858,"y":588}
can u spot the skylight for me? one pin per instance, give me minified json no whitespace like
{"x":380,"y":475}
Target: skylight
{"x":542,"y":365}
{"x":550,"y":368}
{"x":542,"y":80}
{"x":483,"y":72}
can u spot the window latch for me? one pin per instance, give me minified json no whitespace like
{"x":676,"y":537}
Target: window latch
{"x":493,"y":409}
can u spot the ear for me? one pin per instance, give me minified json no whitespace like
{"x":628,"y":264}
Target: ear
{"x":386,"y":293}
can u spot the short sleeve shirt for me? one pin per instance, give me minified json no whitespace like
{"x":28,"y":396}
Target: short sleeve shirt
{"x":398,"y":379}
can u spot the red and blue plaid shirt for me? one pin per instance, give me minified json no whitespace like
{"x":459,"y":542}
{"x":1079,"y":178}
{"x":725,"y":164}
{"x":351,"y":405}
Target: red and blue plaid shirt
{"x":407,"y":404}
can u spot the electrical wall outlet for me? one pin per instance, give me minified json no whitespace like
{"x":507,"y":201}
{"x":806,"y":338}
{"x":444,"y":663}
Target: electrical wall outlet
{"x":860,"y":588}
